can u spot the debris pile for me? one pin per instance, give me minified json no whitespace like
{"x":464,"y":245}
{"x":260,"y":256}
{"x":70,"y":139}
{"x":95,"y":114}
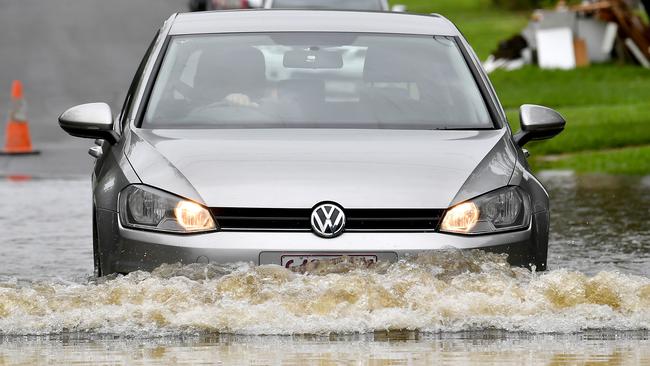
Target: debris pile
{"x":576,"y":36}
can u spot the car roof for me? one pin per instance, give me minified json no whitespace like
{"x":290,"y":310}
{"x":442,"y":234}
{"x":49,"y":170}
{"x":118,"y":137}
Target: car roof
{"x":383,"y":4}
{"x":271,"y":20}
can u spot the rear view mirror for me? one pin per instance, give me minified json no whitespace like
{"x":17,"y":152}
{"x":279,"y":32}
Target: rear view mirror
{"x":92,"y":120}
{"x":312,"y":59}
{"x":538,"y":123}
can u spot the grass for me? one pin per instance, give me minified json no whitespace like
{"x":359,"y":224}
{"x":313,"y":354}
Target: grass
{"x":595,"y":127}
{"x":631,"y":160}
{"x":596,"y":85}
{"x":482,"y":24}
{"x":607,"y":107}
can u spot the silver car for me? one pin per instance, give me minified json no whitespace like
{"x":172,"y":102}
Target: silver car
{"x":292,"y":136}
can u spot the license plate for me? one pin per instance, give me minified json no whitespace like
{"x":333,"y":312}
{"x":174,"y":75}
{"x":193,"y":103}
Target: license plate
{"x":293,"y":261}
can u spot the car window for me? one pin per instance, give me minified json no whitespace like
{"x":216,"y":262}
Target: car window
{"x":327,"y":4}
{"x":315,"y":80}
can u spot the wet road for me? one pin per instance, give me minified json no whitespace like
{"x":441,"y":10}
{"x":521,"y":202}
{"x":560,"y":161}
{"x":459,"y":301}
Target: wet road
{"x":69,"y":52}
{"x":599,"y":222}
{"x":46,"y":229}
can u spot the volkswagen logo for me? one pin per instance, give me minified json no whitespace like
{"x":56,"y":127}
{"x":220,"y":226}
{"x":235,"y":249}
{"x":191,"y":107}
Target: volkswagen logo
{"x":328,"y":220}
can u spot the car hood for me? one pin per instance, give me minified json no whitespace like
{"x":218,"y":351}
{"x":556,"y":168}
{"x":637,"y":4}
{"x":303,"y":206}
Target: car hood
{"x":298,"y":168}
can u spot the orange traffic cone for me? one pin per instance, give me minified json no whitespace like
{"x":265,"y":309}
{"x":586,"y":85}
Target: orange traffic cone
{"x":17,"y":140}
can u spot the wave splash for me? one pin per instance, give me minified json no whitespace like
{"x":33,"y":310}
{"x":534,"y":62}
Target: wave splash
{"x":435,"y":292}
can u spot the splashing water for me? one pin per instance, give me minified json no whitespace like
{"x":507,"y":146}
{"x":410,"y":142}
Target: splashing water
{"x":441,"y":291}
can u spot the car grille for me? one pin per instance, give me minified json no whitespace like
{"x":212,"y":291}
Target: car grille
{"x":298,"y":219}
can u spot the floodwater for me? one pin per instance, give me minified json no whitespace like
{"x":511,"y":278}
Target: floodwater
{"x":591,"y":307}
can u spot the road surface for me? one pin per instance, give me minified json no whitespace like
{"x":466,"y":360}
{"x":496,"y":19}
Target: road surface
{"x":69,"y":52}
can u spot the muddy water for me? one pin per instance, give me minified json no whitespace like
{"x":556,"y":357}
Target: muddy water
{"x":443,"y":292}
{"x":485,"y":348}
{"x":599,"y":222}
{"x":469,"y":307}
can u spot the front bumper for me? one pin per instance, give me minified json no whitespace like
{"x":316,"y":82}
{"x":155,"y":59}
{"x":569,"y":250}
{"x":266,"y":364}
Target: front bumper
{"x":125,"y":250}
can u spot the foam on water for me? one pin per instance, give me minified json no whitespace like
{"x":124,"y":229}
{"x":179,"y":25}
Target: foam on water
{"x":442,"y":291}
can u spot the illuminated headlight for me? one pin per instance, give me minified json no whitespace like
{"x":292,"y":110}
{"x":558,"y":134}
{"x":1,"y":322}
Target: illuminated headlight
{"x":505,"y":209}
{"x":145,"y":207}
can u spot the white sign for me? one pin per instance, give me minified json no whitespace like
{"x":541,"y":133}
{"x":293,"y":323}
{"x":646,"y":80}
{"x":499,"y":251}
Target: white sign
{"x":555,"y":48}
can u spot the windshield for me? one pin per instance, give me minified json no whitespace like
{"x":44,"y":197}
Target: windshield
{"x":328,"y":4}
{"x":315,"y":80}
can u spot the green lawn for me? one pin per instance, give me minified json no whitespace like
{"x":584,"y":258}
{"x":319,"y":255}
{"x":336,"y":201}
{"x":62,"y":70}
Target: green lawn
{"x":596,"y":85}
{"x":481,"y":23}
{"x":631,"y":160}
{"x":606,"y":106}
{"x":595,"y":127}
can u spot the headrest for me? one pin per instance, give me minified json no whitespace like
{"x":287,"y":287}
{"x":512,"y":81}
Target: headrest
{"x":231,"y":70}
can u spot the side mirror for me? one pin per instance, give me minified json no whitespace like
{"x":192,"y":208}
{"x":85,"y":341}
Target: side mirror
{"x":398,"y":8}
{"x":92,"y":120}
{"x":538,"y":123}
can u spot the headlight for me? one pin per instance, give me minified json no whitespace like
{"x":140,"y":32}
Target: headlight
{"x":145,"y":207}
{"x":505,"y":209}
